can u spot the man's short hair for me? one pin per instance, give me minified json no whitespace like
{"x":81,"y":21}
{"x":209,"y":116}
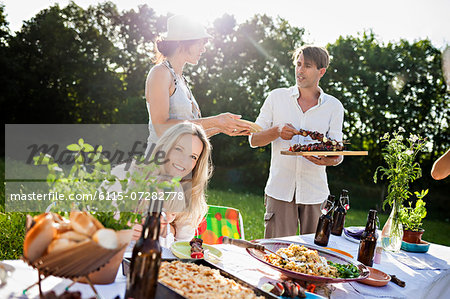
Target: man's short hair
{"x":318,"y":55}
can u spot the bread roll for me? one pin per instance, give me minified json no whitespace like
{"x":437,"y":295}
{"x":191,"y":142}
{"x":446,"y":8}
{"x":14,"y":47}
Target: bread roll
{"x":97,"y":223}
{"x":39,"y":217}
{"x":60,"y":244}
{"x":29,"y":223}
{"x":61,"y":224}
{"x":106,"y":238}
{"x":38,"y":238}
{"x":58,"y":218}
{"x":62,"y":227}
{"x":82,"y":223}
{"x":72,"y":236}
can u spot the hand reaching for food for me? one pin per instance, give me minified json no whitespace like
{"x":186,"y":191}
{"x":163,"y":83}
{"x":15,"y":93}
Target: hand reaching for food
{"x":287,"y":131}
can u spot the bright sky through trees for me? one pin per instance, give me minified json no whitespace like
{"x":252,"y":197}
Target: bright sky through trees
{"x":324,"y":20}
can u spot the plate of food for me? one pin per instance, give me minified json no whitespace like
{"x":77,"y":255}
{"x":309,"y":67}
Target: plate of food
{"x":201,"y":279}
{"x":322,"y":145}
{"x":195,"y":249}
{"x":309,"y":262}
{"x":253,"y":127}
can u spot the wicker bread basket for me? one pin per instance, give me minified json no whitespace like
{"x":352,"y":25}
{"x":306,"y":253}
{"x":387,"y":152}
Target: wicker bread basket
{"x":75,"y":263}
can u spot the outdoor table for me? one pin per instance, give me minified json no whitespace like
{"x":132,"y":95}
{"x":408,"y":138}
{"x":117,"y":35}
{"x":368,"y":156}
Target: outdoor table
{"x":426,"y":274}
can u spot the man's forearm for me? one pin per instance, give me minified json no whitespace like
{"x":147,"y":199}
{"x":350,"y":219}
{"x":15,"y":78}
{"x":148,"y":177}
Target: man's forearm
{"x":265,"y":137}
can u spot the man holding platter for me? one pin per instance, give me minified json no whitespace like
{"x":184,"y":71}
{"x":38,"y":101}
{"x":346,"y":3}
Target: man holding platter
{"x":298,"y":185}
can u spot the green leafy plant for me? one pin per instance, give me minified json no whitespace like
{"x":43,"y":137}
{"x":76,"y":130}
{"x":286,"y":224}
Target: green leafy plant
{"x":90,"y":179}
{"x":411,"y":218}
{"x":401,"y":168}
{"x":399,"y":155}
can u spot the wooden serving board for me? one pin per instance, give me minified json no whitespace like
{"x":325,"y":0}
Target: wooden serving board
{"x":326,"y":153}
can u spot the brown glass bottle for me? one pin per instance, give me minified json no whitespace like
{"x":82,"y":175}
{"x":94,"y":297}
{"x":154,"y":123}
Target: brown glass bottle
{"x":339,"y":214}
{"x":368,"y":241}
{"x":142,"y":279}
{"x":325,"y":223}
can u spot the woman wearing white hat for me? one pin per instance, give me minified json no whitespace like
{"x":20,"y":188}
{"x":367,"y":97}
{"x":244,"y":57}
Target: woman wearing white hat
{"x":169,"y":99}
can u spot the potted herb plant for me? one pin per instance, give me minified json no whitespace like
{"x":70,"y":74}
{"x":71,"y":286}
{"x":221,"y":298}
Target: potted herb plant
{"x":90,"y":175}
{"x":401,"y":170}
{"x":411,"y":219}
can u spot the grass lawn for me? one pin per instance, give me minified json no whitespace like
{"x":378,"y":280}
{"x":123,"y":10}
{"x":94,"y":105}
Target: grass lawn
{"x":12,"y":225}
{"x":252,"y":209}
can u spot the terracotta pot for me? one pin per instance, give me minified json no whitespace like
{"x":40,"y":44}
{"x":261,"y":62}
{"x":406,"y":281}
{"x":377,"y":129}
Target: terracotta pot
{"x":413,"y":236}
{"x":107,"y":274}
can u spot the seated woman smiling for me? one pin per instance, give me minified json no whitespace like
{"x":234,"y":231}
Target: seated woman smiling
{"x":189,"y":158}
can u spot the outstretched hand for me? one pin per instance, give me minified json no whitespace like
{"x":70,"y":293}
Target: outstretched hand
{"x":228,"y":124}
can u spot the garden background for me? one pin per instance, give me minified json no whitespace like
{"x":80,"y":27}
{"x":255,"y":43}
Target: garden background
{"x":82,"y":66}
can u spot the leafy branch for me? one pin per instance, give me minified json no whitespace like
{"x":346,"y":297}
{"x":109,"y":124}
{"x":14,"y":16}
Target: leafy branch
{"x":401,"y":168}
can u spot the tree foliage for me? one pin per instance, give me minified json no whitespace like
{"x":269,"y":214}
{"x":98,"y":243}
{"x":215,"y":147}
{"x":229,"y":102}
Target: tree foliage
{"x":384,"y":87}
{"x":75,"y":65}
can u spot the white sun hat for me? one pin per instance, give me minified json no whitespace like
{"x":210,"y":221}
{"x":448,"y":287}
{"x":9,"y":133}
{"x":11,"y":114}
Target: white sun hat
{"x":180,"y":27}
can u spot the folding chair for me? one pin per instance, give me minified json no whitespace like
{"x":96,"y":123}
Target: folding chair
{"x":219,"y":222}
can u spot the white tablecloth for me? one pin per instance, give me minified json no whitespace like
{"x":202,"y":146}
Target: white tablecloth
{"x":427,"y":275}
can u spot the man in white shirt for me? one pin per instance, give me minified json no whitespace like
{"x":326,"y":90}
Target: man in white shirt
{"x":298,"y":185}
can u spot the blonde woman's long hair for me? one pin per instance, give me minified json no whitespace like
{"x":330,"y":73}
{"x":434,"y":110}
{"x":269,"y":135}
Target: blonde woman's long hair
{"x":195,"y":184}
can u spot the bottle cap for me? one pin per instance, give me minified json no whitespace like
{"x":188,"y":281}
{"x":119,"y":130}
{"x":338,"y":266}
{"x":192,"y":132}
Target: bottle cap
{"x":327,"y":205}
{"x":372,"y":214}
{"x":344,"y":192}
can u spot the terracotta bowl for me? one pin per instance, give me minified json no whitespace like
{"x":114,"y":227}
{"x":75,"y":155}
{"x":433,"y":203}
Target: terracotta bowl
{"x":376,"y":278}
{"x":107,"y":274}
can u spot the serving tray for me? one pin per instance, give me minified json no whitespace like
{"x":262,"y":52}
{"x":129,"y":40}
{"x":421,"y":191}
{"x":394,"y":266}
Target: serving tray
{"x":326,"y":153}
{"x":164,"y":292}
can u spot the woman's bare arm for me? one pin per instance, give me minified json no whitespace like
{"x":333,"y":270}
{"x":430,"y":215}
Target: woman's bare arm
{"x":157,"y":92}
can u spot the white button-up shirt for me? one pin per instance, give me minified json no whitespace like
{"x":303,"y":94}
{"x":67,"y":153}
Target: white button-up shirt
{"x":289,"y":174}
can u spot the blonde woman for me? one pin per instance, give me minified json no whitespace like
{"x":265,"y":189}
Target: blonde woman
{"x":169,"y":98}
{"x":188,"y":156}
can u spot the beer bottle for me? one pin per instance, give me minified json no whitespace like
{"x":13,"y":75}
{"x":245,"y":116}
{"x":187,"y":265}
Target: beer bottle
{"x":340,"y":210}
{"x":142,"y":278}
{"x":325,"y":222}
{"x":368,"y":241}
